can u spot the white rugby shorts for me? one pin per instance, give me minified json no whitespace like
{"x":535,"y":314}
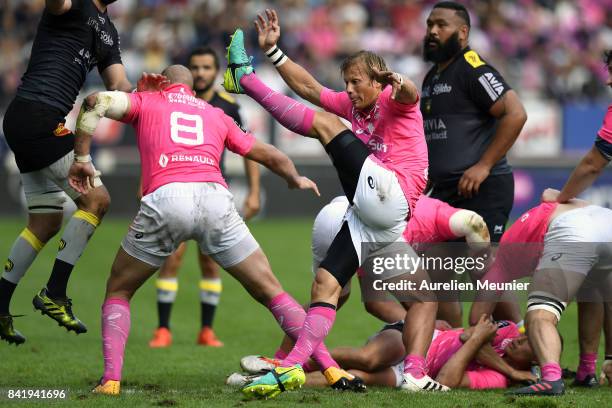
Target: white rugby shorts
{"x":178,"y":212}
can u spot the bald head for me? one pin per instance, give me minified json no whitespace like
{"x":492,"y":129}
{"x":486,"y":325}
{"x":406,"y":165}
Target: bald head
{"x":178,"y":74}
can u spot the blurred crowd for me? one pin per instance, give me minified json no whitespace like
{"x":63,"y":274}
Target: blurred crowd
{"x":545,"y":48}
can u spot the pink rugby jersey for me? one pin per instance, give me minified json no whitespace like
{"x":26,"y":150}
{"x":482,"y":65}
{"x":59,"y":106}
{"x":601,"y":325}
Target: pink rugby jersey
{"x":430,"y":222}
{"x":606,"y":128}
{"x":521,"y":245}
{"x":394,"y":134}
{"x":446,"y":343}
{"x":181,"y":138}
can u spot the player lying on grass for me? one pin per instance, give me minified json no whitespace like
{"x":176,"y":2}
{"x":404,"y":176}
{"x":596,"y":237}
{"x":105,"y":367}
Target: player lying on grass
{"x":560,"y":245}
{"x":487,"y":355}
{"x":382,"y":177}
{"x":433,"y":221}
{"x":180,"y":139}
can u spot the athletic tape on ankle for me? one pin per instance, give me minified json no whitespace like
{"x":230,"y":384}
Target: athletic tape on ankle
{"x":276,"y":56}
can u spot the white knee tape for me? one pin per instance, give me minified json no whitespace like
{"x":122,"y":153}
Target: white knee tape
{"x":39,"y":203}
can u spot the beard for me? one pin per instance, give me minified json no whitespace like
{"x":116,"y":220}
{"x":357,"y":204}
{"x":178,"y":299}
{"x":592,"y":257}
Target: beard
{"x":202,"y":89}
{"x":444,"y":51}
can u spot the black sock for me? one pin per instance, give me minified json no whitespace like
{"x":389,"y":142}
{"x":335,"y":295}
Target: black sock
{"x":208,"y":314}
{"x":6,"y":293}
{"x":163,"y":311}
{"x":348,"y":154}
{"x":58,"y":281}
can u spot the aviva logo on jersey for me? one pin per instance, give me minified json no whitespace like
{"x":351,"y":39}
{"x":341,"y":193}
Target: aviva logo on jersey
{"x":491,"y":85}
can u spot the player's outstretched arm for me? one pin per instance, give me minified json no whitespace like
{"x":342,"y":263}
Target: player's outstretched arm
{"x":488,"y":357}
{"x":584,"y":175}
{"x":298,"y":79}
{"x":58,"y":7}
{"x":279,"y":163}
{"x":113,"y":105}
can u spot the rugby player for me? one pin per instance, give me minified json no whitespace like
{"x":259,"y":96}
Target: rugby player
{"x":472,"y":118}
{"x":557,"y":244}
{"x":204,"y":66}
{"x":487,"y":355}
{"x":185,"y":197}
{"x":381,"y":179}
{"x":433,"y":221}
{"x":72,"y":38}
{"x":595,"y":160}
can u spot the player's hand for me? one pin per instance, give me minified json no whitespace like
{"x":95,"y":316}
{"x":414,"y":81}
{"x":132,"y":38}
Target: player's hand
{"x":268,"y":29}
{"x":81,"y":177}
{"x":152,"y":82}
{"x":251,"y":206}
{"x":485,"y":329}
{"x":550,"y":195}
{"x":522,"y":376}
{"x":472,"y":179}
{"x":389,"y":78}
{"x":304,"y":183}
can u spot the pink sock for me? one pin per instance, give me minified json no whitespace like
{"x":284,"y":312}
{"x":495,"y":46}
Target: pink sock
{"x":551,"y":372}
{"x":291,"y":316}
{"x":280,"y":354}
{"x":415,"y":365}
{"x":588,"y":362}
{"x":290,"y":113}
{"x":115,"y":331}
{"x":319,"y":321}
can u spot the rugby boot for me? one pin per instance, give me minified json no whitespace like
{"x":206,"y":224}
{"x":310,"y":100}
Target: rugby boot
{"x":275,"y":381}
{"x":339,"y":379}
{"x":59,"y":310}
{"x":541,"y":388}
{"x":238,"y":64}
{"x":8,"y":332}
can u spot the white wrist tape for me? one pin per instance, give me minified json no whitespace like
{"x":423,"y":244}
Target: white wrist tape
{"x":82,"y":159}
{"x":108,"y":104}
{"x":276,"y":56}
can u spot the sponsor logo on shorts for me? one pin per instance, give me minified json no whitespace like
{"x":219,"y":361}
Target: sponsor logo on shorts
{"x":371,"y":182}
{"x":60,"y":130}
{"x":8,"y":265}
{"x":62,"y":244}
{"x":556,"y":257}
{"x":138,"y":235}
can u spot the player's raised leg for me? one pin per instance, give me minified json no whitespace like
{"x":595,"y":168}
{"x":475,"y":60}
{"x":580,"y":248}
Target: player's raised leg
{"x":167,"y":288}
{"x":52,"y":300}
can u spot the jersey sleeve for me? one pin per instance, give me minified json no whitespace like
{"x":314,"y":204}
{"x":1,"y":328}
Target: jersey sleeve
{"x":398,"y":107}
{"x":484,"y":84}
{"x":135,"y":105}
{"x":114,"y":56}
{"x":605,"y":132}
{"x":485,"y":378}
{"x":337,"y":103}
{"x":238,"y":140}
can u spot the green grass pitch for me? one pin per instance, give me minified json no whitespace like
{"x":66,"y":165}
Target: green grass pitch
{"x":188,"y":375}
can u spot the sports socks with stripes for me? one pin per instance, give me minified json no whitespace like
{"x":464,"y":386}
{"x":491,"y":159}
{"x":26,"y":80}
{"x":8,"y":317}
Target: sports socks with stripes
{"x":23,"y":252}
{"x":76,"y":235}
